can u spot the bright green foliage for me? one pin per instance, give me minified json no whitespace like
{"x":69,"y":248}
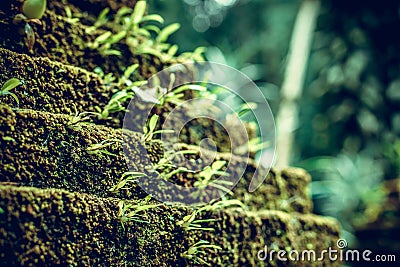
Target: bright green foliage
{"x":100,"y":148}
{"x":8,"y":86}
{"x":34,"y":9}
{"x":140,"y":32}
{"x":149,"y":130}
{"x":134,"y":212}
{"x":127,"y":177}
{"x":205,"y":176}
{"x":198,"y":250}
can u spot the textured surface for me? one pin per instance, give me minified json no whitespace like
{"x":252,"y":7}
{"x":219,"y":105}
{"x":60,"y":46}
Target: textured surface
{"x":56,"y":207}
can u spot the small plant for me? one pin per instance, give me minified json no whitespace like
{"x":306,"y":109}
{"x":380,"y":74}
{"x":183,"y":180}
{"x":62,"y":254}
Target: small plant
{"x":32,"y":11}
{"x":252,"y":146}
{"x":114,"y":105}
{"x":209,"y":172}
{"x":80,"y":117}
{"x":127,"y":177}
{"x":140,"y":32}
{"x":8,"y":86}
{"x":198,"y":250}
{"x":99,"y":148}
{"x":134,"y":212}
{"x":149,"y":130}
{"x":175,"y":96}
{"x":70,"y":17}
{"x":189,"y":221}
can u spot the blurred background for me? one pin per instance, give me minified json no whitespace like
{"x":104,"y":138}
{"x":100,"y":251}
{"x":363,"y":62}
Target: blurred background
{"x":346,"y":132}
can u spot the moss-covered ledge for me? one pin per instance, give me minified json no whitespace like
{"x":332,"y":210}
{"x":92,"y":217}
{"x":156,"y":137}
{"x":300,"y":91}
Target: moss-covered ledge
{"x":55,"y":227}
{"x":44,"y":150}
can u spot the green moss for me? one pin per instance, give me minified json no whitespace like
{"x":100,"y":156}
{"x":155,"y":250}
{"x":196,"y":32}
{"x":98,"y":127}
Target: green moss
{"x":73,"y":228}
{"x":68,"y":215}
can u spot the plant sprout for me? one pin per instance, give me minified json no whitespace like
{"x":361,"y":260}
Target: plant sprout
{"x":99,"y":148}
{"x":189,"y":221}
{"x":8,"y":86}
{"x":134,"y":212}
{"x":140,"y":32}
{"x":79,"y":117}
{"x":149,"y":130}
{"x":127,"y":177}
{"x":32,"y":11}
{"x":208,"y":172}
{"x":196,"y":251}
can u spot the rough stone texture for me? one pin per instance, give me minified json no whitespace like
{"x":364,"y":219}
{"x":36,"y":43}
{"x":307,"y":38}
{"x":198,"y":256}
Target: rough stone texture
{"x":56,"y":227}
{"x":56,"y":207}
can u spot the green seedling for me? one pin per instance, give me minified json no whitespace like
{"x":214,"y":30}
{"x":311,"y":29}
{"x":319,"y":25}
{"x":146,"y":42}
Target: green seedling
{"x":149,"y":130}
{"x":32,"y":11}
{"x":100,"y":148}
{"x":189,"y":221}
{"x":80,"y":117}
{"x":70,"y":17}
{"x":206,"y":175}
{"x":134,"y":212}
{"x":175,"y":96}
{"x":116,"y":104}
{"x":8,"y":86}
{"x":127,"y":177}
{"x":198,"y":250}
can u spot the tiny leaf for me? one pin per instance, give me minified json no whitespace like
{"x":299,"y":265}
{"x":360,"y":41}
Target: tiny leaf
{"x":10,"y":84}
{"x":138,"y":12}
{"x":167,"y":31}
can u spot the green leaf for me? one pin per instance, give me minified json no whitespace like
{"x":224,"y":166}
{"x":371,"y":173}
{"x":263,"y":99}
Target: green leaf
{"x":194,"y":87}
{"x":116,"y":37}
{"x":153,"y":17}
{"x":153,"y":28}
{"x":10,"y":84}
{"x":138,"y":12}
{"x":197,"y":54}
{"x":68,"y":11}
{"x":167,"y":31}
{"x":101,"y":39}
{"x":143,"y":32}
{"x":102,"y":17}
{"x":112,"y":52}
{"x":172,"y":50}
{"x":130,"y":70}
{"x":14,"y":96}
{"x":217,"y":165}
{"x":153,"y":122}
{"x":150,"y":51}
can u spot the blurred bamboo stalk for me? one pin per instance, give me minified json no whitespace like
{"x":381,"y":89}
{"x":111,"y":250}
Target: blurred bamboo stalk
{"x":293,"y":80}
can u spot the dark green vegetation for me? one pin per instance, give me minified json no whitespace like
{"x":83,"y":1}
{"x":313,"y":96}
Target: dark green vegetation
{"x":66,"y":196}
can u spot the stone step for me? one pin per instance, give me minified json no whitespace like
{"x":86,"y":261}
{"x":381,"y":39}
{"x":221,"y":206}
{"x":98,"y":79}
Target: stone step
{"x":55,"y":227}
{"x":60,"y":39}
{"x":48,"y":85}
{"x":44,"y":150}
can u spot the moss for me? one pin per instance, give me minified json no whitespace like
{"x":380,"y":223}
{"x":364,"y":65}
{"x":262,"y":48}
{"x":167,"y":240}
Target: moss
{"x":52,"y":86}
{"x":56,"y":208}
{"x":51,"y":154}
{"x":55,"y":227}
